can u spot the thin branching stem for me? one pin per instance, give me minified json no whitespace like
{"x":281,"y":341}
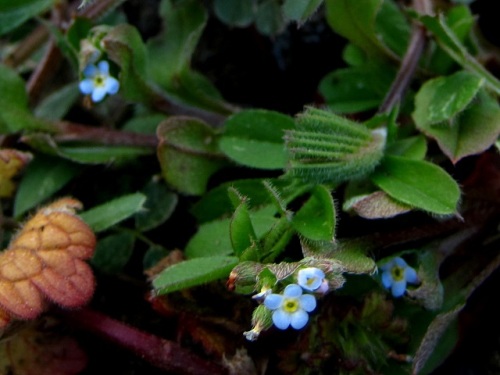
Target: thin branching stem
{"x":410,"y":60}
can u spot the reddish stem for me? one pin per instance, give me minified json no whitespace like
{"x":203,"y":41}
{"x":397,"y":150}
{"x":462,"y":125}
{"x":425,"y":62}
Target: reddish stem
{"x":161,"y":353}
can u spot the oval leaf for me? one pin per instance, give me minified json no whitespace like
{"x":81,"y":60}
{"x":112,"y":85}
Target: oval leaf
{"x":418,"y":183}
{"x":193,"y":272}
{"x":254,"y":138}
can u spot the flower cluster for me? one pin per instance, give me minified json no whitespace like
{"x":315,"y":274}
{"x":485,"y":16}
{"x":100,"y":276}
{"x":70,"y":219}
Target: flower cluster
{"x":292,"y":307}
{"x":396,"y":274}
{"x":97,"y":82}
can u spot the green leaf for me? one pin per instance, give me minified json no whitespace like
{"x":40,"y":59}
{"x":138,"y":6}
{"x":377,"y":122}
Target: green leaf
{"x":113,"y":252}
{"x":240,"y":228}
{"x":160,"y":204}
{"x":452,"y":45}
{"x":300,"y":11}
{"x":269,"y":18}
{"x":14,"y":113}
{"x":392,"y":27}
{"x":44,"y":176}
{"x":15,"y":13}
{"x":153,"y":255}
{"x":170,"y":56}
{"x":418,"y":183}
{"x":376,"y":205}
{"x":57,"y":104}
{"x":193,"y":272}
{"x":460,"y":20}
{"x":235,"y":13}
{"x":213,"y":238}
{"x":472,"y":132}
{"x":356,"y":89}
{"x":215,"y":204}
{"x":85,"y":154}
{"x":442,"y":98}
{"x":254,"y":138}
{"x":125,"y":47}
{"x":315,"y":220}
{"x":412,"y":147}
{"x":106,"y":215}
{"x":355,"y":21}
{"x":188,"y":154}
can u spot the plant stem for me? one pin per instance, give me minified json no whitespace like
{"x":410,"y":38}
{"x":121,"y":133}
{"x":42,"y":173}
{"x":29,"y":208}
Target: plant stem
{"x":409,"y":62}
{"x":161,"y":353}
{"x":76,"y":132}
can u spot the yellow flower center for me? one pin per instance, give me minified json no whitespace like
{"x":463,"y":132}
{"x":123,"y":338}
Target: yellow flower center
{"x":291,"y":305}
{"x":398,"y":273}
{"x":99,"y":80}
{"x":310,"y":281}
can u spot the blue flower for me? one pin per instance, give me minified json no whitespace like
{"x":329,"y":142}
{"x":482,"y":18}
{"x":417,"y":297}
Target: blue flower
{"x":97,"y":82}
{"x":291,"y":308}
{"x":310,"y":278}
{"x":396,"y":273}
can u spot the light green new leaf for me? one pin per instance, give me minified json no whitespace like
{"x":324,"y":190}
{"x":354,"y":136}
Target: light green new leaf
{"x":254,"y":138}
{"x":442,"y":98}
{"x":240,"y":227}
{"x":472,"y":132}
{"x":418,"y":183}
{"x":213,"y":238}
{"x":44,"y":176}
{"x":315,"y":220}
{"x":106,"y":215}
{"x":193,"y":272}
{"x":15,"y":12}
{"x":452,"y":45}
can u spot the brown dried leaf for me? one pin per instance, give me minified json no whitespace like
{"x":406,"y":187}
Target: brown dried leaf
{"x":45,"y":262}
{"x":11,"y":163}
{"x":33,"y":352}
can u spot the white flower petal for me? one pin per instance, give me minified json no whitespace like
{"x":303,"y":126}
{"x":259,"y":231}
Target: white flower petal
{"x":398,"y":288}
{"x":86,"y":86}
{"x":103,"y":67}
{"x":308,"y":302}
{"x":281,"y":319}
{"x":273,"y":301}
{"x":111,"y":85}
{"x":98,"y":94}
{"x":299,"y":319}
{"x":292,"y":291}
{"x":90,"y":71}
{"x":387,"y":279}
{"x":411,"y":275}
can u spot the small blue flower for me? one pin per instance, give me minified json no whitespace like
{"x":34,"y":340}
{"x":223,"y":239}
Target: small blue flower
{"x":97,"y":82}
{"x":310,"y":278}
{"x":291,"y":308}
{"x":396,"y":273}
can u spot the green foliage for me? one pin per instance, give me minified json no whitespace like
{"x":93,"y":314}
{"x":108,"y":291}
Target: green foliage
{"x":188,"y":154}
{"x":250,"y":195}
{"x":14,"y":13}
{"x":44,"y":176}
{"x":254,"y":138}
{"x":193,"y":272}
{"x":401,"y":178}
{"x":106,"y":215}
